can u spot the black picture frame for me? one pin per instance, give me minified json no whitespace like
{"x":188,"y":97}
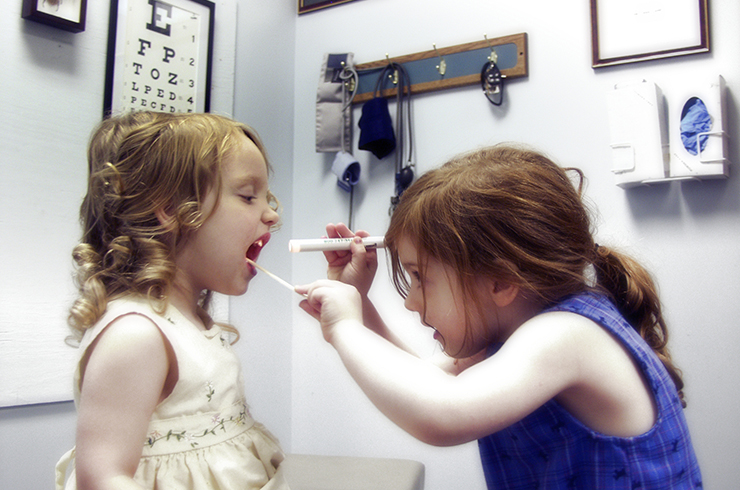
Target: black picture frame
{"x":305,"y":6}
{"x":62,"y":14}
{"x":629,"y":32}
{"x":160,"y":56}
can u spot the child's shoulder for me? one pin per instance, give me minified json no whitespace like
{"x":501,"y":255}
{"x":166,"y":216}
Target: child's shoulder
{"x":557,"y":337}
{"x":556,"y":329}
{"x":129,"y":344}
{"x":128,"y":328}
{"x":131,"y":332}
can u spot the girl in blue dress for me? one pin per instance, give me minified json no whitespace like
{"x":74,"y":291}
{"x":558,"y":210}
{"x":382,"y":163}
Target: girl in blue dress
{"x":556,"y":358}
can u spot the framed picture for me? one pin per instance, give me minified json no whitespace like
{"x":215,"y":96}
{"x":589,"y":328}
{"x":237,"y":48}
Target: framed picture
{"x":159,"y":56}
{"x":311,"y":5}
{"x":64,"y":14}
{"x":641,"y":30}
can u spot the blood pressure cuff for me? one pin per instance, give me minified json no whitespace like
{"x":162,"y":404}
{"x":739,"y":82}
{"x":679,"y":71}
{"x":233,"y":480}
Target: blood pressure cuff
{"x":333,"y":123}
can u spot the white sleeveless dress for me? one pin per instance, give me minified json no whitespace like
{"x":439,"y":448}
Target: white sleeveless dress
{"x":202,"y":435}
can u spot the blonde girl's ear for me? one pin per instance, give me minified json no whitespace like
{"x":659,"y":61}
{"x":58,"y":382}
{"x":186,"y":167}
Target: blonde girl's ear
{"x":165,"y":219}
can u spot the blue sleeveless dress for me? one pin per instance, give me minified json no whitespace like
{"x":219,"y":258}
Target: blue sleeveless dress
{"x":551,"y":449}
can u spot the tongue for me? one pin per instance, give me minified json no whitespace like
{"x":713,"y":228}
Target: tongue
{"x":254,"y":250}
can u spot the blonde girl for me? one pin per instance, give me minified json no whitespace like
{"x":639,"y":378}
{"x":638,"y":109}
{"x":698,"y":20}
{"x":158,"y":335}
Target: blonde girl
{"x":177,"y":206}
{"x":557,"y":361}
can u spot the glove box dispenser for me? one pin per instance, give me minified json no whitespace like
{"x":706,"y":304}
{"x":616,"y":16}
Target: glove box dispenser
{"x":638,"y":133}
{"x":682,"y":136}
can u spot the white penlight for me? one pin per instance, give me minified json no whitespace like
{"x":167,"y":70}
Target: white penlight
{"x":329,"y":244}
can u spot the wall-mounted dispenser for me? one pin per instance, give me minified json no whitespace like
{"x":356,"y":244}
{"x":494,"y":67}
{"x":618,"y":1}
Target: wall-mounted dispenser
{"x":698,"y":134}
{"x":680,"y":137}
{"x":638,"y":132}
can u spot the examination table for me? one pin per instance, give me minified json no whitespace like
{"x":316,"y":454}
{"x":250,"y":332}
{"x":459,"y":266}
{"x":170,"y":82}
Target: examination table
{"x":310,"y":472}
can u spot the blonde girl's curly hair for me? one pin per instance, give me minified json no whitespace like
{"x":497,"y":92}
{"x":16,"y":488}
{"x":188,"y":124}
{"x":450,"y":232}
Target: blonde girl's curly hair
{"x":510,"y":213}
{"x":139,"y":163}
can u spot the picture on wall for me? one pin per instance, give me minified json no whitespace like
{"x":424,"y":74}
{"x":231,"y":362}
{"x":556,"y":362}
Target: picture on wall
{"x":159,"y":56}
{"x":311,"y":5}
{"x":641,"y":30}
{"x":63,"y":14}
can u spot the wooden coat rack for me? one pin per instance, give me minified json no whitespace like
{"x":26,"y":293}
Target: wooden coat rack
{"x":450,"y":67}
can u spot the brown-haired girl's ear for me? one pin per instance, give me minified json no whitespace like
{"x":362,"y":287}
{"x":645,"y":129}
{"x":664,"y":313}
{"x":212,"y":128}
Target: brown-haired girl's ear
{"x":503,"y":293}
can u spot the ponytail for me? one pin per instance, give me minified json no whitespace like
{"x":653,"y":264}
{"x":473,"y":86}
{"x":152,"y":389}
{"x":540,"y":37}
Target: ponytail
{"x":636,"y":297}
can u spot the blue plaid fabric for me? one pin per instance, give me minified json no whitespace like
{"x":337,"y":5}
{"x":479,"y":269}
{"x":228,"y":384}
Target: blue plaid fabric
{"x":550,"y":449}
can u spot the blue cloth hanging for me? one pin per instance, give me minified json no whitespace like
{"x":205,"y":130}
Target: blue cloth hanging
{"x":376,"y":128}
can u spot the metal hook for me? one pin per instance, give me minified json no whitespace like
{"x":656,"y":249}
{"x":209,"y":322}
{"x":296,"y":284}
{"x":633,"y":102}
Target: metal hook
{"x":392,"y":76}
{"x":350,"y":78}
{"x":493,"y":57}
{"x":442,"y":66}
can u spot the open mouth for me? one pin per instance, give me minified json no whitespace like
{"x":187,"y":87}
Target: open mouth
{"x":254,"y":250}
{"x":435,"y":333}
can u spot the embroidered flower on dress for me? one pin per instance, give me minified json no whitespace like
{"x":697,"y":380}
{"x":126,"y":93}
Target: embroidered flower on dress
{"x":218,"y":424}
{"x":209,"y":390}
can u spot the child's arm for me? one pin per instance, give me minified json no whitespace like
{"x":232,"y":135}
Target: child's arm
{"x":534,"y":366}
{"x":123,"y":382}
{"x":357,"y":267}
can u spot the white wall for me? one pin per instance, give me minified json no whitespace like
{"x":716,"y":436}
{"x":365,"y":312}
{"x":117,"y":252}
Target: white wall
{"x":687,"y":234}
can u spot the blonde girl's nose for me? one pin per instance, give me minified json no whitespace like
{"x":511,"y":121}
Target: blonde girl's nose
{"x":270,"y":216}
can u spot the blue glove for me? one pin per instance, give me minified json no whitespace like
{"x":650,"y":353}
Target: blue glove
{"x":695,"y":120}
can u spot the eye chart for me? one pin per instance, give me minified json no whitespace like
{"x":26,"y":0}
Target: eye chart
{"x":161,"y":56}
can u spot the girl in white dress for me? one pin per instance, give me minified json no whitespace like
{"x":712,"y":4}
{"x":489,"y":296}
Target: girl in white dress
{"x":177,"y":207}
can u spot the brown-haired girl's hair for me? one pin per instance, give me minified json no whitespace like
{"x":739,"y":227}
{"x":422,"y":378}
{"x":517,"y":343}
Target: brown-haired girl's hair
{"x":139,"y":163}
{"x":510,"y":213}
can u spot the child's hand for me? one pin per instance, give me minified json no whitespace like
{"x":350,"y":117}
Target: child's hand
{"x":331,"y":302}
{"x":357,"y":266}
